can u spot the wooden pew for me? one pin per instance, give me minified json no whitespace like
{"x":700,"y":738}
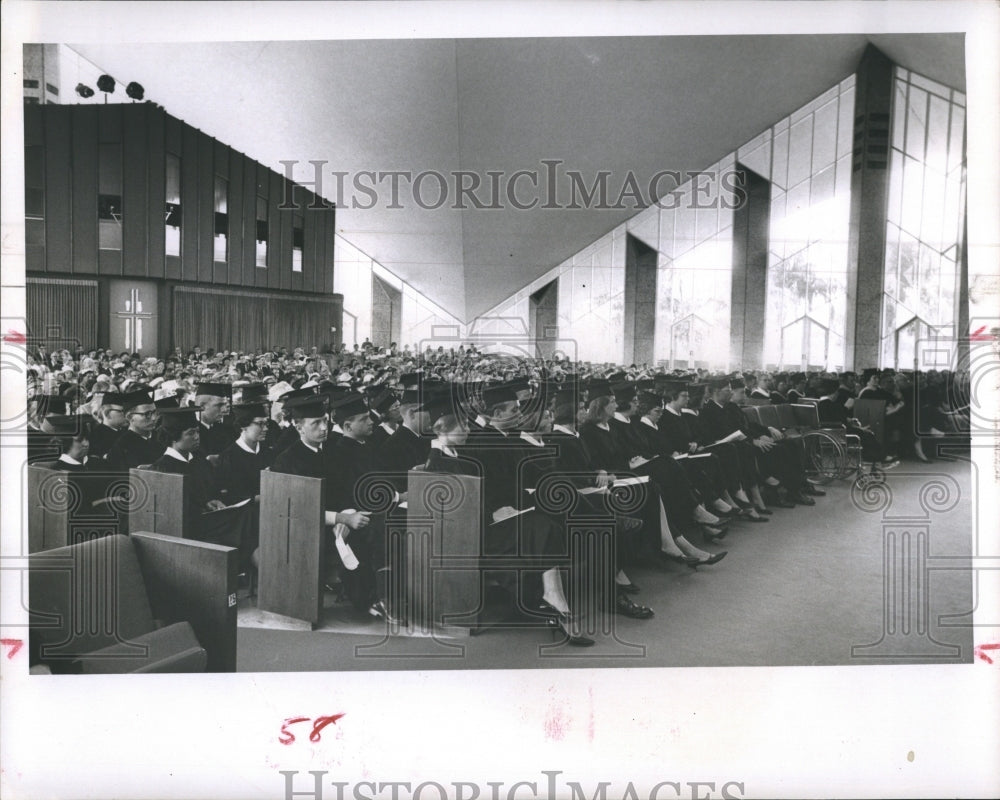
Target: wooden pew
{"x":292,"y":546}
{"x":157,"y":502}
{"x":139,"y":603}
{"x":443,"y":582}
{"x":65,"y":508}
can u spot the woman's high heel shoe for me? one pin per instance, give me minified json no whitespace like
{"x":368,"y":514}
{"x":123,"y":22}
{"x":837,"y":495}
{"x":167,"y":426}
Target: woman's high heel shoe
{"x":562,"y":623}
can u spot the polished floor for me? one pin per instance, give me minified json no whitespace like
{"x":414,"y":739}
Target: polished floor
{"x":881,"y":576}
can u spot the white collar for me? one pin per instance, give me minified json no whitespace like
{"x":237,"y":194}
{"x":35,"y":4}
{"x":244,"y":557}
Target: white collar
{"x":174,"y":454}
{"x":335,"y":427}
{"x":244,"y":446}
{"x":481,"y":421}
{"x":502,"y":433}
{"x":647,"y":421}
{"x":70,"y":460}
{"x":309,"y":446}
{"x":717,"y":403}
{"x":604,"y":426}
{"x":622,"y":418}
{"x":207,"y":426}
{"x":531,"y":439}
{"x":564,"y":429}
{"x":387,"y":428}
{"x":672,"y":410}
{"x":437,"y":445}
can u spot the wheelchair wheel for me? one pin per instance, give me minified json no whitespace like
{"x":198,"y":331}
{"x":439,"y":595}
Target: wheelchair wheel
{"x":826,"y":458}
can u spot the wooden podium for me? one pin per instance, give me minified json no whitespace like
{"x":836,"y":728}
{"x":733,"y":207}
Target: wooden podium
{"x":157,"y":502}
{"x":292,"y":546}
{"x":443,"y":546}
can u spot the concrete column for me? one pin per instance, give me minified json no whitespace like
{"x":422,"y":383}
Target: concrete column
{"x":751,"y":228}
{"x":869,"y":188}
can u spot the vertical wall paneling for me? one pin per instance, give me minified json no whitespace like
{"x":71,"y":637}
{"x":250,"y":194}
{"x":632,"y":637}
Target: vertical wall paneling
{"x":189,"y":204}
{"x":135,"y":200}
{"x":71,"y":189}
{"x":155,"y":191}
{"x":277,"y":266}
{"x":220,"y":162}
{"x":236,"y":224}
{"x":206,"y":206}
{"x":264,"y":190}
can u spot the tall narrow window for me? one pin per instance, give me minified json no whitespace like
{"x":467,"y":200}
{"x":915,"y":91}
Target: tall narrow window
{"x":34,"y":195}
{"x":109,"y":200}
{"x":173,"y":209}
{"x":261,"y":231}
{"x":221,"y":218}
{"x":298,"y":238}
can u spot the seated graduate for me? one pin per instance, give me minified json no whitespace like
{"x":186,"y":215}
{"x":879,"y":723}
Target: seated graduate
{"x":41,"y":408}
{"x":138,"y":445}
{"x":256,"y":394}
{"x":309,"y":456}
{"x":215,"y":435}
{"x":71,"y":435}
{"x":508,"y":526}
{"x":702,"y":468}
{"x":241,"y":463}
{"x":207,"y":517}
{"x":679,"y":431}
{"x":790,"y":455}
{"x":112,"y":424}
{"x":609,"y":454}
{"x":385,"y":406}
{"x":352,"y":463}
{"x":408,"y":446}
{"x":451,"y":432}
{"x":572,"y":462}
{"x":684,"y":507}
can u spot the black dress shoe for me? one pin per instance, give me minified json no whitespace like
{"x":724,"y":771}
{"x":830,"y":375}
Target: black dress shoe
{"x":765,"y":511}
{"x":564,"y":624}
{"x":713,"y":559}
{"x":801,"y":499}
{"x":629,"y":588}
{"x":757,"y":518}
{"x":625,"y":607}
{"x":689,"y":561}
{"x":812,"y":491}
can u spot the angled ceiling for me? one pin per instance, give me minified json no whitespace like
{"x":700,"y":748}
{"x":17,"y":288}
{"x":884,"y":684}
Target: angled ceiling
{"x":630,"y":104}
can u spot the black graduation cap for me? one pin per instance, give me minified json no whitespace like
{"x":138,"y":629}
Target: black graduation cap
{"x":350,"y":405}
{"x":176,"y":420}
{"x":737,"y":383}
{"x":651,"y":399}
{"x":616,"y":377}
{"x":167,"y":402}
{"x":439,"y":406}
{"x":624,"y":392}
{"x":51,"y":404}
{"x":410,"y":379}
{"x":306,"y":406}
{"x":599,"y":388}
{"x":495,"y":395}
{"x":718,"y":383}
{"x":295,"y":394}
{"x":518,"y":385}
{"x":645,"y":385}
{"x":75,"y":425}
{"x":696,"y":393}
{"x":829,"y":385}
{"x":112,"y":400}
{"x":254,"y":393}
{"x":671,"y":385}
{"x":214,"y":389}
{"x":245,"y":413}
{"x":383,"y":401}
{"x":135,"y":399}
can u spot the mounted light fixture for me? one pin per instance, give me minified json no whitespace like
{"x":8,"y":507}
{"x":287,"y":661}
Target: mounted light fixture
{"x":107,"y":85}
{"x":135,"y":91}
{"x":84,"y":91}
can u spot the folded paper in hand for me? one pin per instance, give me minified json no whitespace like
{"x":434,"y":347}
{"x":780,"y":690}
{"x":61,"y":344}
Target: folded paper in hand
{"x":234,"y":505}
{"x":632,"y":481}
{"x":500,"y":515}
{"x":347,"y":556}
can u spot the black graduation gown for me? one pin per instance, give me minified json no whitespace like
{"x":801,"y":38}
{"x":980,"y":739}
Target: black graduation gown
{"x":401,"y":452}
{"x":131,"y":450}
{"x":102,"y":439}
{"x":214,"y":440}
{"x":238,"y":472}
{"x":231,"y":527}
